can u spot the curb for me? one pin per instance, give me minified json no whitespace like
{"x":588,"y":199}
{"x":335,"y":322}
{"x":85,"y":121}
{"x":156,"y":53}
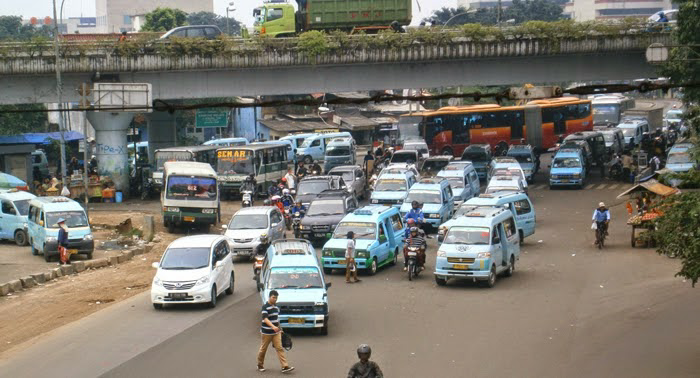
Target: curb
{"x":33,"y":280}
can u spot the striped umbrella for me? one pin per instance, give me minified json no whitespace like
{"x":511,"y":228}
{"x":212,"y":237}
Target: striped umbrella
{"x":11,"y":182}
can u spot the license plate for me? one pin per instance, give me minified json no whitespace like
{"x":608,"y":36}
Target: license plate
{"x":412,"y":254}
{"x":341,"y":262}
{"x":320,"y":235}
{"x":178,"y":295}
{"x":243,"y":252}
{"x":564,"y":180}
{"x":460,"y":267}
{"x":297,"y":320}
{"x":188,"y":219}
{"x":72,"y":251}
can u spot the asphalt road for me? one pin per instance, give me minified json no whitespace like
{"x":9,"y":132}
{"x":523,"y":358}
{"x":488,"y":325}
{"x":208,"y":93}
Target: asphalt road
{"x":570,"y":310}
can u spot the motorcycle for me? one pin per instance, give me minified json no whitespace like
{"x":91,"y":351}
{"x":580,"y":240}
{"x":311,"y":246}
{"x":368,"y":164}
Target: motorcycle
{"x":296,"y":224}
{"x":287,"y":218}
{"x":615,"y":171}
{"x":257,"y":266}
{"x":413,"y":268}
{"x":247,"y":198}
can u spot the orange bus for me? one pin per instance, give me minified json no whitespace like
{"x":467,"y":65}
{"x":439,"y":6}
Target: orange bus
{"x":541,"y":123}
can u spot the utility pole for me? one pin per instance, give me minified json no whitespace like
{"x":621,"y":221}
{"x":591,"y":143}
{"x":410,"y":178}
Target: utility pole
{"x":59,"y":93}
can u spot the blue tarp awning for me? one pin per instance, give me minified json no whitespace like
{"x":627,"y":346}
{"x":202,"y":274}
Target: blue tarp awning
{"x":40,"y":138}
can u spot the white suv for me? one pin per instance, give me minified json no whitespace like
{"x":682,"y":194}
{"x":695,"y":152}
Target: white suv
{"x":194,"y":269}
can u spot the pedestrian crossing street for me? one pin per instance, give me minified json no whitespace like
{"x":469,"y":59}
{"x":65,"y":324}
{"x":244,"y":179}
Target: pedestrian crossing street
{"x":598,"y":186}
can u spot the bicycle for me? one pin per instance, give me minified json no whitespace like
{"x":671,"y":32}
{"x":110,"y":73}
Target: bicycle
{"x":600,"y":235}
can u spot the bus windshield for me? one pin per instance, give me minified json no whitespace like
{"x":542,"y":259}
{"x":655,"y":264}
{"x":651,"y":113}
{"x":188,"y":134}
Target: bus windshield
{"x":338,"y":151}
{"x":362,"y":230}
{"x":424,"y":196}
{"x":235,"y":162}
{"x":73,"y":218}
{"x":390,"y":185}
{"x":165,"y":156}
{"x":191,"y":188}
{"x":409,"y":127}
{"x":295,"y":278}
{"x":467,"y":235}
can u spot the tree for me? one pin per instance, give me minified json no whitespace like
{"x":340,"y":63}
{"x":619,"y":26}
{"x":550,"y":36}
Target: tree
{"x":459,"y":16}
{"x":208,"y":18}
{"x":11,"y":28}
{"x":532,"y":10}
{"x":18,"y":123}
{"x":164,"y":19}
{"x":678,"y":230}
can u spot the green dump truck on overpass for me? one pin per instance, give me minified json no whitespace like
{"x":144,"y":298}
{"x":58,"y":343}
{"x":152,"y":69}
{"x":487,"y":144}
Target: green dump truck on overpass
{"x":278,"y":18}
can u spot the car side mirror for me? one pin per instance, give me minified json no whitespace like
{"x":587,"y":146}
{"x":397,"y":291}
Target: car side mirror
{"x":41,"y":223}
{"x":328,"y":284}
{"x":220,"y":263}
{"x":155,"y":265}
{"x":224,"y":226}
{"x":441,"y":238}
{"x":275,"y":224}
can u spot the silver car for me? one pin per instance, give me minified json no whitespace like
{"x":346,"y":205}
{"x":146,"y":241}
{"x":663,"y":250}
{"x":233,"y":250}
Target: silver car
{"x":249,"y":223}
{"x":354,"y":177}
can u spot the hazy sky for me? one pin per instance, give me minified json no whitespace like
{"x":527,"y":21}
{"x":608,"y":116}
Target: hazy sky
{"x":243,"y":12}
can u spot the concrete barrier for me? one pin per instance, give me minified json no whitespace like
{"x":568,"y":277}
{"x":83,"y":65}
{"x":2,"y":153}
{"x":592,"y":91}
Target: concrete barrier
{"x":57,"y":272}
{"x":67,"y":269}
{"x":28,"y":282}
{"x":113,"y":260}
{"x":16,"y":285}
{"x":128,"y":254}
{"x":5,"y":289}
{"x":48,"y":276}
{"x":39,"y":278}
{"x":79,"y":266}
{"x":100,"y":263}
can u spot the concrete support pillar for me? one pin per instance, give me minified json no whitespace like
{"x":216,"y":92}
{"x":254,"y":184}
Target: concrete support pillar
{"x":111,"y":151}
{"x":162,"y":132}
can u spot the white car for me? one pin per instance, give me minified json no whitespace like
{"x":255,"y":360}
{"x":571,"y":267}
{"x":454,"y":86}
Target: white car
{"x":249,"y":223}
{"x":417,"y":145}
{"x":399,"y":168}
{"x":193,"y":269}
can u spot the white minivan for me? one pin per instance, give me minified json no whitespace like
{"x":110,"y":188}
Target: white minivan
{"x":193,"y":269}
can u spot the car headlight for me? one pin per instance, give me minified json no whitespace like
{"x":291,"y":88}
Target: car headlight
{"x":577,"y":175}
{"x":434,"y":215}
{"x":87,"y":237}
{"x":483,"y":255}
{"x":301,"y":226}
{"x":555,"y":177}
{"x":441,"y":253}
{"x":202,"y":280}
{"x":208,"y":211}
{"x":327,"y":253}
{"x":172,"y":209}
{"x":50,"y":239}
{"x":375,"y":201}
{"x":320,"y":308}
{"x":157,"y":282}
{"x":362,"y":254}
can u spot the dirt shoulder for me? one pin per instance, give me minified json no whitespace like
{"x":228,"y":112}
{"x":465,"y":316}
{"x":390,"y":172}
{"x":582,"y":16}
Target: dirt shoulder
{"x":31,"y":313}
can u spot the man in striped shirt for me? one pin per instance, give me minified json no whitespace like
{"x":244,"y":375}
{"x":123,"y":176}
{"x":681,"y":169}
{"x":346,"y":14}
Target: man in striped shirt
{"x":271,"y":333}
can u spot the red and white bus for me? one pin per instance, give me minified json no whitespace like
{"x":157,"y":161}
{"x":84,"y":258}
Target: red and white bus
{"x":541,"y":123}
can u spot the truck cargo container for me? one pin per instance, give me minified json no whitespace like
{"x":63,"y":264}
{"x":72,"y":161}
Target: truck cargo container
{"x":278,"y":18}
{"x":653,"y":113}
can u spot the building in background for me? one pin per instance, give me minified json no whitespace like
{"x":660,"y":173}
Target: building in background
{"x":70,"y":25}
{"x":589,"y":10}
{"x":114,"y":16}
{"x":475,"y":4}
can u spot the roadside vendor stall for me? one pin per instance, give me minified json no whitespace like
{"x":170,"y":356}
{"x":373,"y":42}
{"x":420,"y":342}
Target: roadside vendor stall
{"x":645,"y":195}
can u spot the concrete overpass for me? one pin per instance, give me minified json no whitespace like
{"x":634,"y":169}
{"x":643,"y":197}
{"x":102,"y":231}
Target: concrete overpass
{"x":28,"y":76}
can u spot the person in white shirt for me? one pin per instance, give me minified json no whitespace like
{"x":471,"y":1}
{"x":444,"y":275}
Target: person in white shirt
{"x":290,"y":179}
{"x":350,"y":269}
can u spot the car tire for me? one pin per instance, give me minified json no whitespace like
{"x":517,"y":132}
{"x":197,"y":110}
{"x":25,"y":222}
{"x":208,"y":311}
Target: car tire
{"x":35,"y":252}
{"x":21,"y":238}
{"x":158,"y":306}
{"x":372,"y":270}
{"x":396,"y":257}
{"x":522,"y":238}
{"x":447,"y":151}
{"x":491,"y":281}
{"x":511,"y":268}
{"x":440,"y":281}
{"x":47,"y":255}
{"x":212,"y":302}
{"x":327,"y":270}
{"x":88,"y":256}
{"x":171,"y":227}
{"x":308,"y":159}
{"x":229,"y":291}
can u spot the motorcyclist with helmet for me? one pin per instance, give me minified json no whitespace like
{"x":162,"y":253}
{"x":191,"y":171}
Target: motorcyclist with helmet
{"x":315,"y":168}
{"x":412,"y":223}
{"x":249,"y":183}
{"x":297,"y":208}
{"x":365,"y":368}
{"x":416,"y":213}
{"x":287,"y":199}
{"x":274,"y":190}
{"x":417,"y":241}
{"x":275,"y":201}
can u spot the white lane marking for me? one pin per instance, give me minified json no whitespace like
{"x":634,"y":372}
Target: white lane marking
{"x":613,"y":186}
{"x":589,"y":186}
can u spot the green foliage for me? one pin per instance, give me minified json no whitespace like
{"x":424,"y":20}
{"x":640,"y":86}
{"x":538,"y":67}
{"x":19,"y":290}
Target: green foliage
{"x":532,"y":10}
{"x":678,"y":232}
{"x":164,"y":19}
{"x":519,"y":11}
{"x":313,"y":43}
{"x":683,"y":65}
{"x":19,"y":123}
{"x":208,"y":18}
{"x":11,"y":28}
